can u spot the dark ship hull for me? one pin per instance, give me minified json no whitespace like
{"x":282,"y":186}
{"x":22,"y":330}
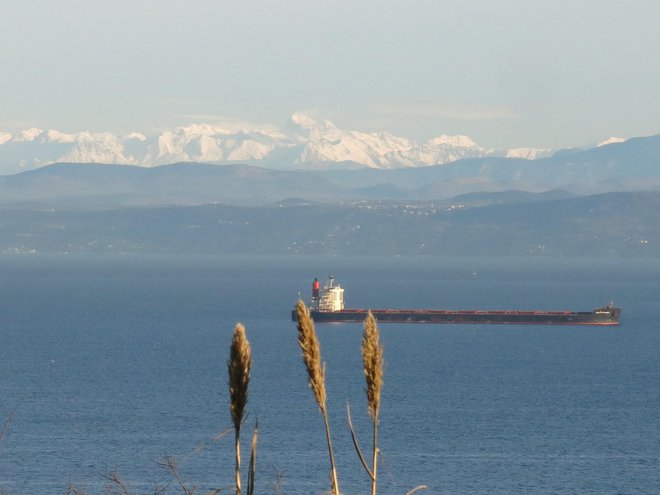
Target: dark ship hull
{"x":327,"y":306}
{"x":601,"y":316}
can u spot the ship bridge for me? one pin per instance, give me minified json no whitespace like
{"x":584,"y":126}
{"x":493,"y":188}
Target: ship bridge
{"x":331,"y":297}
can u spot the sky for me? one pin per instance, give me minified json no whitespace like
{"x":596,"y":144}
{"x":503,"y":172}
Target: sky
{"x":507,"y":73}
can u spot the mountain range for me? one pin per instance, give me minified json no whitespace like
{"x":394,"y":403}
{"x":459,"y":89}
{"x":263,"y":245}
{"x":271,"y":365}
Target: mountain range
{"x":633,"y":165}
{"x":302,"y":143}
{"x":603,"y":201}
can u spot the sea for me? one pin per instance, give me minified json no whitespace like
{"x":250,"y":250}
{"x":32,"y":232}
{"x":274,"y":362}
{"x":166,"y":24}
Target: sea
{"x":111,"y":364}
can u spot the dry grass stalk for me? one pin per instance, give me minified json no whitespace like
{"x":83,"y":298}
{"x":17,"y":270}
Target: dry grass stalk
{"x":355,"y":441}
{"x":170,"y":465}
{"x":238,"y":367}
{"x":71,"y":489}
{"x":372,"y":359}
{"x":416,"y":489}
{"x":311,"y":354}
{"x":277,"y":484}
{"x":253,"y":460}
{"x":115,"y":481}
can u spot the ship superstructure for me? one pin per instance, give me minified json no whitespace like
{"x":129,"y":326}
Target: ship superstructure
{"x":330,"y":298}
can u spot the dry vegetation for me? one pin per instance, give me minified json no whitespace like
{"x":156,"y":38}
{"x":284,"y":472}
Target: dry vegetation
{"x":238,"y":368}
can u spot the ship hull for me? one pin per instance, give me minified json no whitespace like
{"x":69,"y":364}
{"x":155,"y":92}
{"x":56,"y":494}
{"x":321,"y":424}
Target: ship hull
{"x":608,"y":316}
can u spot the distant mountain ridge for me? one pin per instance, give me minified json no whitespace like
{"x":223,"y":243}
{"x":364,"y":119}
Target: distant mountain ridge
{"x":633,"y":165}
{"x":599,"y":202}
{"x":303,"y":143}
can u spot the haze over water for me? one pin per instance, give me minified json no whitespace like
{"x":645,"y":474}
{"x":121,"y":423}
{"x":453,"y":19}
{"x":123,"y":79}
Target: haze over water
{"x":111,"y":362}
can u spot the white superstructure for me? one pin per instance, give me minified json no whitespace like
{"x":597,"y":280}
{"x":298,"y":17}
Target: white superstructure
{"x":331,"y":297}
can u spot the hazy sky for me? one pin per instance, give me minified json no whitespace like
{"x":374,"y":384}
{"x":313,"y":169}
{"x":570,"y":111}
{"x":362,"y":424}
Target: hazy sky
{"x":508,"y":73}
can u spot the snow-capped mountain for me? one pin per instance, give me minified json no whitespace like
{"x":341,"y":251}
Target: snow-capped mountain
{"x":303,"y":143}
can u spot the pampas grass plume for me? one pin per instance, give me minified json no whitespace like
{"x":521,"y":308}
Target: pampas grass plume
{"x":238,"y":367}
{"x":372,"y":358}
{"x":311,"y":354}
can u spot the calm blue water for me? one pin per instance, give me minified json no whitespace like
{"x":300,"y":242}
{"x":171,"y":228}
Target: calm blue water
{"x":111,"y":362}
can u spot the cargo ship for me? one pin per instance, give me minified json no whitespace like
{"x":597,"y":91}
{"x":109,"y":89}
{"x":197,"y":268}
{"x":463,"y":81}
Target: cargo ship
{"x":327,"y":306}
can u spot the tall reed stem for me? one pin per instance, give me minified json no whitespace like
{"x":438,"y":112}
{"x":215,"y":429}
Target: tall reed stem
{"x":238,"y":369}
{"x":311,"y":354}
{"x":372,"y":359}
{"x":374,"y":468}
{"x":237,"y":471}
